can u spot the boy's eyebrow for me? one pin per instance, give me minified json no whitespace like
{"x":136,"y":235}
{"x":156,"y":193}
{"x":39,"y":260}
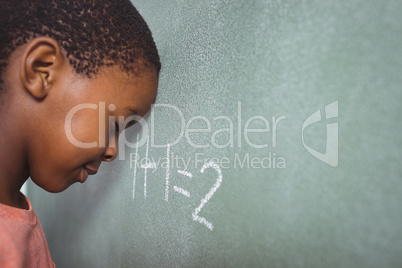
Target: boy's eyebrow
{"x":130,"y":111}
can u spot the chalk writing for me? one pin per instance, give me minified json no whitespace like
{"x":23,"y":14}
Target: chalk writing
{"x":150,"y":164}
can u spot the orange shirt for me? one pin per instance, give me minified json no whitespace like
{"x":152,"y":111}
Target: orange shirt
{"x":22,"y":241}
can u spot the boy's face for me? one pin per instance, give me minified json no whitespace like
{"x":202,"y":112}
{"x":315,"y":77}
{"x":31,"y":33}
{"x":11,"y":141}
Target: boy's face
{"x":76,"y":131}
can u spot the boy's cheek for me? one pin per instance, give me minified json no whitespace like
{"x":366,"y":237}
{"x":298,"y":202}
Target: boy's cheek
{"x":84,"y":135}
{"x":84,"y":130}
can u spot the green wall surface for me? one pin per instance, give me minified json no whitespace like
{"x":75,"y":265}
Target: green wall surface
{"x":284,"y":132}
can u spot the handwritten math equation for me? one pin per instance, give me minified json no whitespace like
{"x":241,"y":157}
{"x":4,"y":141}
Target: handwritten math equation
{"x":168,"y":183}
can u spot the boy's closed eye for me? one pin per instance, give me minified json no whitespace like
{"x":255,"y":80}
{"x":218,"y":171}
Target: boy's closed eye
{"x":117,"y":127}
{"x":125,"y":125}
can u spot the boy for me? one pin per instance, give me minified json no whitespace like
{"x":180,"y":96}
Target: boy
{"x":54,"y":57}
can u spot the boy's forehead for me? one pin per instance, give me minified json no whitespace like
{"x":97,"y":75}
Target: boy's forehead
{"x":132,"y":94}
{"x":115,"y":75}
{"x":129,"y":77}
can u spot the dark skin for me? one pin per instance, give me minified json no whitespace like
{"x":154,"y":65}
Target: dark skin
{"x":40,"y":88}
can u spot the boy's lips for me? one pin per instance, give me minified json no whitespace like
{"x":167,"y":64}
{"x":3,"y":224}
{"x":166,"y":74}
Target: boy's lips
{"x":91,"y":171}
{"x":85,"y":173}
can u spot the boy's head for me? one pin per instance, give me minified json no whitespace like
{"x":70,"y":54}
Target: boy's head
{"x":69,"y":71}
{"x":91,"y":33}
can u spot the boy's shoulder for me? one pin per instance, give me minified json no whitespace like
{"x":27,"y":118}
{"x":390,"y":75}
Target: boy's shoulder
{"x":14,"y":231}
{"x":22,"y":241}
{"x":10,"y":214}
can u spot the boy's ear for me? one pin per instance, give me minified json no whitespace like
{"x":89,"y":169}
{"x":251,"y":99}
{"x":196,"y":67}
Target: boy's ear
{"x":41,"y":63}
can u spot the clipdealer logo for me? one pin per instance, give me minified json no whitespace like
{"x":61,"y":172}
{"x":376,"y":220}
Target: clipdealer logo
{"x":330,"y":156}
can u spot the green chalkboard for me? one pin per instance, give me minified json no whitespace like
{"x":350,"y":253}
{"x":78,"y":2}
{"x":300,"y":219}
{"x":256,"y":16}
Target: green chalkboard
{"x":275,"y":142}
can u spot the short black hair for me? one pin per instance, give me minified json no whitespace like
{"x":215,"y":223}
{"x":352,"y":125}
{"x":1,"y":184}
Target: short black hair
{"x":92,"y":33}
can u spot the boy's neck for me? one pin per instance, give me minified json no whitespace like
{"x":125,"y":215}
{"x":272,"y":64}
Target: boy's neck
{"x":13,"y":167}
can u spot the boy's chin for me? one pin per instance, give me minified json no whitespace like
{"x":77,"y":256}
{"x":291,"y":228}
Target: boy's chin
{"x":55,"y":190}
{"x":52,"y":188}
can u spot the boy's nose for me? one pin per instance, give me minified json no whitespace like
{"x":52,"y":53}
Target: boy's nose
{"x":110,"y":154}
